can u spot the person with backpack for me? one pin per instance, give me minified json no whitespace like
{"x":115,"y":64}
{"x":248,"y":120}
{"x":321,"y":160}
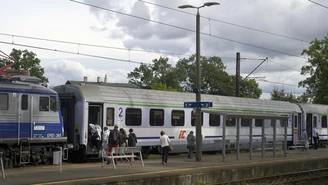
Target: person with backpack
{"x":132,"y":142}
{"x":114,"y":141}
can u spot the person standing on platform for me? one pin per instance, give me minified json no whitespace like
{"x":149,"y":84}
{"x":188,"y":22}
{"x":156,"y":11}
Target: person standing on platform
{"x":304,"y":138}
{"x":132,"y":142}
{"x":191,"y":144}
{"x":165,"y":141}
{"x":123,"y":144}
{"x":315,"y":136}
{"x":114,"y":140}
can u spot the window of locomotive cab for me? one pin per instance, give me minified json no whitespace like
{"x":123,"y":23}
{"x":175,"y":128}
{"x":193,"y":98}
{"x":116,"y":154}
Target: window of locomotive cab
{"x":324,"y":122}
{"x":258,"y":122}
{"x":230,"y":122}
{"x":132,"y":117}
{"x":3,"y":101}
{"x":215,"y":120}
{"x":53,"y":103}
{"x":24,"y":102}
{"x":178,"y":117}
{"x":156,"y":117}
{"x":110,"y":117}
{"x":246,"y":122}
{"x":44,"y":104}
{"x":193,"y":118}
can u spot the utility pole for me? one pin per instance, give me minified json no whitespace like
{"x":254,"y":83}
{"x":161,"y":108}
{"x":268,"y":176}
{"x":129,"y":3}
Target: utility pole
{"x":199,"y":137}
{"x":237,"y":74}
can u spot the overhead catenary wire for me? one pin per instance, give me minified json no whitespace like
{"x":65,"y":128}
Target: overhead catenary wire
{"x":91,"y":45}
{"x":319,"y":4}
{"x":102,"y":46}
{"x":190,"y":30}
{"x":76,"y":53}
{"x":225,"y":22}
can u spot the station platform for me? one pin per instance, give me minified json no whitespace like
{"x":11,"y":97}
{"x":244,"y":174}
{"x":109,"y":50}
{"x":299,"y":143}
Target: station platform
{"x":178,"y":171}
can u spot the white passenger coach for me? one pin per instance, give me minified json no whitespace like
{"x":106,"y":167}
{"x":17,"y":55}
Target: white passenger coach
{"x":150,"y":111}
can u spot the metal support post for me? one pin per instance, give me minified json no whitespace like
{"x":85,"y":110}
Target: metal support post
{"x":285,"y":138}
{"x":223,"y":137}
{"x":263,"y":139}
{"x":199,"y":137}
{"x":61,"y":159}
{"x":274,"y":136}
{"x":2,"y":168}
{"x":238,"y":140}
{"x":251,"y":140}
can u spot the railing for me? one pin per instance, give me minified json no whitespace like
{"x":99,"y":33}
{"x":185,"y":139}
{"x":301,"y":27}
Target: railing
{"x":128,"y":151}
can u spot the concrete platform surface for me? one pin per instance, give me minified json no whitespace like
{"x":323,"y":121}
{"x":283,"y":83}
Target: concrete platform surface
{"x":156,"y":173}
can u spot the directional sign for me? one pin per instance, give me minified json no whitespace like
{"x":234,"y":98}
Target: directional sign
{"x":198,"y":104}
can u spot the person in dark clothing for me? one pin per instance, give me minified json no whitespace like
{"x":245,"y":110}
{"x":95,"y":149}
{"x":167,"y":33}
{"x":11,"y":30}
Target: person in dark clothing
{"x":114,"y":141}
{"x":132,"y":142}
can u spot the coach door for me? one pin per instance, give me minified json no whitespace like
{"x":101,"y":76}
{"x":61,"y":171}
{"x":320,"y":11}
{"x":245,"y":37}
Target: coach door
{"x":110,"y":116}
{"x":25,"y":116}
{"x":95,"y":115}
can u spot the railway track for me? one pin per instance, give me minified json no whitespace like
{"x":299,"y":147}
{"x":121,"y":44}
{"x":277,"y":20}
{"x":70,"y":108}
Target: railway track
{"x":311,"y":177}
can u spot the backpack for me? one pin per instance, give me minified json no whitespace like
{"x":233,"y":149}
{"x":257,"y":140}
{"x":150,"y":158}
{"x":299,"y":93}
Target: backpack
{"x":132,"y":140}
{"x":114,"y":137}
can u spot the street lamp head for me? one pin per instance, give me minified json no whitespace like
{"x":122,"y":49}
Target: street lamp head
{"x":186,"y":6}
{"x":211,"y":3}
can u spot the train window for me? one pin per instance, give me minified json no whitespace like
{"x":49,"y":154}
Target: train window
{"x":53,"y":104}
{"x":246,"y":122}
{"x":24,"y":102}
{"x":133,"y":117}
{"x":258,"y":122}
{"x":44,"y":104}
{"x":273,"y":122}
{"x":3,"y":101}
{"x":283,"y":122}
{"x":156,"y":117}
{"x":110,"y":117}
{"x":315,"y":121}
{"x":295,"y":121}
{"x":230,"y":122}
{"x":324,"y":122}
{"x":215,"y":120}
{"x":193,"y":118}
{"x":178,"y":118}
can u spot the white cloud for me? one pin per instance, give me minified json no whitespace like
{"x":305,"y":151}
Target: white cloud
{"x":69,"y":21}
{"x":60,"y":71}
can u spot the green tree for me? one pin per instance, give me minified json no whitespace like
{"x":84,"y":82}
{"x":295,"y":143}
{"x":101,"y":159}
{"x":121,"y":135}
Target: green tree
{"x":214,"y":78}
{"x":281,"y":95}
{"x":316,"y":67}
{"x":160,"y":74}
{"x":26,"y":60}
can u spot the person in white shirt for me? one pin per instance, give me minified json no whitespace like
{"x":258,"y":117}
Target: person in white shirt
{"x":165,"y":141}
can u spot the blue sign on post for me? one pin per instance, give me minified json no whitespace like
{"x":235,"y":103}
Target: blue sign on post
{"x":197,"y":104}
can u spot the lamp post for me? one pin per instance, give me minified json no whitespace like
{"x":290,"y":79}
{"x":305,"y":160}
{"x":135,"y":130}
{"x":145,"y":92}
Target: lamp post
{"x":198,"y":79}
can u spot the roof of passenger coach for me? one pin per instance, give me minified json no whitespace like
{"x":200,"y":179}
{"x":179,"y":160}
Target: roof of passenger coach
{"x":314,"y":108}
{"x":98,"y":92}
{"x":16,"y":86}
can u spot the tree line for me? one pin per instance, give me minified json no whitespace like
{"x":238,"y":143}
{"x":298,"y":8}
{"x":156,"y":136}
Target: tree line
{"x":161,"y":75}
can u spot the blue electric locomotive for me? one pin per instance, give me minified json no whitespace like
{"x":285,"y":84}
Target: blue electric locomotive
{"x":31,"y":125}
